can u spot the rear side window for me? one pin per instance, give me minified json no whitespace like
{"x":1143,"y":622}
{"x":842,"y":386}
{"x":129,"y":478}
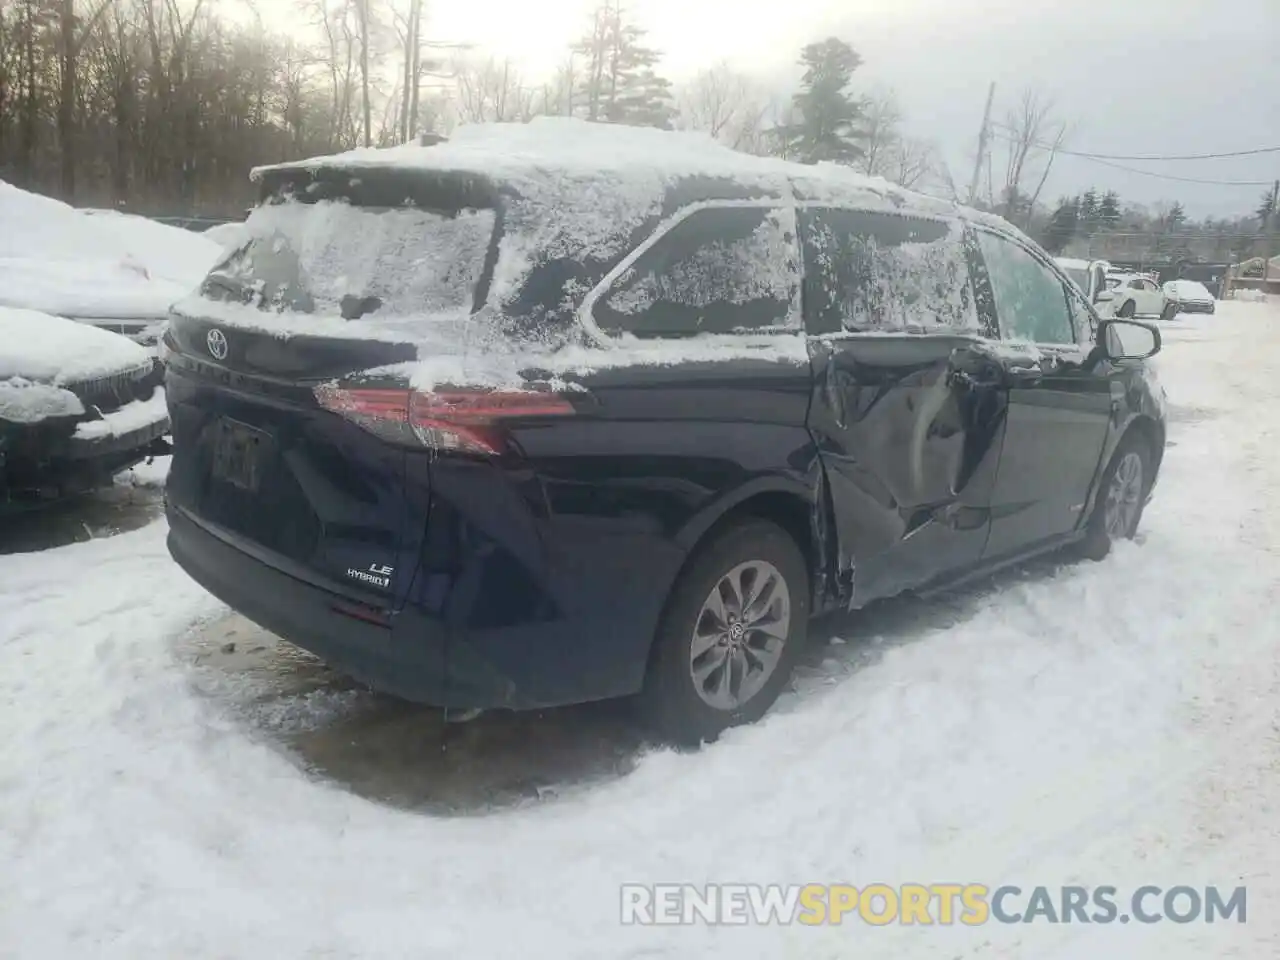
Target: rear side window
{"x":1030,"y":300}
{"x":719,"y":270}
{"x":872,"y":271}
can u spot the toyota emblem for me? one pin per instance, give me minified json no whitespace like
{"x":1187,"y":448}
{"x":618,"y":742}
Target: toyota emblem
{"x":217,"y":343}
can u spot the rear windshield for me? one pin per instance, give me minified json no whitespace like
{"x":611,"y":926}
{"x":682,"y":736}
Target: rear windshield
{"x":333,"y":258}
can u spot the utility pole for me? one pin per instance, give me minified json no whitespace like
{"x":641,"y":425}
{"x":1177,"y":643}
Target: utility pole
{"x":983,"y":134}
{"x":1270,"y":250}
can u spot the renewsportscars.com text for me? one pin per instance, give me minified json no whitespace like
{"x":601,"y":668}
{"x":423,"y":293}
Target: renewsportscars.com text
{"x":971,"y":904}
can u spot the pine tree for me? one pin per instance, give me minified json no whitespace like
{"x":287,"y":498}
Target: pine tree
{"x":1063,"y":224}
{"x":1270,"y":204}
{"x":1175,"y":218}
{"x":1089,"y":208}
{"x":620,"y":84}
{"x":1109,"y":210}
{"x":829,"y":114}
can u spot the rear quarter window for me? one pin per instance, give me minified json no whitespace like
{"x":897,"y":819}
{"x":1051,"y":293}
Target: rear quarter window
{"x":872,"y":271}
{"x":719,"y":270}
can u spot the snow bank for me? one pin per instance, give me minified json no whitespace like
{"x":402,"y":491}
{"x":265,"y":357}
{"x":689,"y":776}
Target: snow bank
{"x":1246,"y":295}
{"x":132,"y":416}
{"x":58,"y":351}
{"x":60,"y":260}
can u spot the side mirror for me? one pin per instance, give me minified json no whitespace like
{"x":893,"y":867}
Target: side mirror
{"x":1102,"y":296}
{"x":1128,"y":339}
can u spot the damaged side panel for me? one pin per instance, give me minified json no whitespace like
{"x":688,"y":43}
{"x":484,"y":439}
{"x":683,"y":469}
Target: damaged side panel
{"x":908,"y":429}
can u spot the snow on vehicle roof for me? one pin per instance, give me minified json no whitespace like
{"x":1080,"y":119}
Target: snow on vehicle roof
{"x":547,"y":148}
{"x":52,"y":350}
{"x":556,"y":156}
{"x":99,"y":264}
{"x":574,"y":190}
{"x":1070,"y":263}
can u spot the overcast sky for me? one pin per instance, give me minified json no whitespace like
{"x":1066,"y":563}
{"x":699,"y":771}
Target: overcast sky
{"x":1136,"y":77}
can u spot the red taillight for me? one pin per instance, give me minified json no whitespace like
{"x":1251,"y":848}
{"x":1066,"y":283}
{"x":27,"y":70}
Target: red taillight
{"x":462,"y":420}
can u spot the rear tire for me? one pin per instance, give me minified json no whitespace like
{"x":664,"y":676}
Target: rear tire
{"x":734,"y":625}
{"x":1122,"y":495}
{"x":1127,"y":309}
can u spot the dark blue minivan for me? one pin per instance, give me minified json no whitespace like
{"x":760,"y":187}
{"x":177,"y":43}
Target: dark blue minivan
{"x":559,"y":412}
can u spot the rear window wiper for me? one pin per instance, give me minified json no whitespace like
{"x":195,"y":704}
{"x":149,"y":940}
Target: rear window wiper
{"x":218,"y":286}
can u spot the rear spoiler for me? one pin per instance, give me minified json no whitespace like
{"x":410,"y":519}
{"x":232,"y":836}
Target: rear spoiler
{"x":445,"y":191}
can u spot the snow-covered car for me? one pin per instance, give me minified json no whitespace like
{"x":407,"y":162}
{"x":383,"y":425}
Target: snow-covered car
{"x":540,"y":415}
{"x":1137,"y":295}
{"x":77,"y":406}
{"x":1190,"y":296}
{"x":111,"y":270}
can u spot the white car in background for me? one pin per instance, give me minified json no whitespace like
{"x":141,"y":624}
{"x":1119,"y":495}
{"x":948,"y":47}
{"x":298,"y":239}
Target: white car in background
{"x":1190,"y":296}
{"x":1137,"y":295}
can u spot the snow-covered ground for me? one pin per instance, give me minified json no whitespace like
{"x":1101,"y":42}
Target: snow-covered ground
{"x":1111,"y":723}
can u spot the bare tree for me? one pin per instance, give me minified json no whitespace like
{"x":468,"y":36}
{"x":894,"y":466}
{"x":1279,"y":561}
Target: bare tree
{"x":365,"y":22}
{"x":493,"y":91}
{"x":411,"y":39}
{"x":1029,"y":129}
{"x":723,"y":103}
{"x":73,"y":32}
{"x":910,"y":162}
{"x":881,"y":119}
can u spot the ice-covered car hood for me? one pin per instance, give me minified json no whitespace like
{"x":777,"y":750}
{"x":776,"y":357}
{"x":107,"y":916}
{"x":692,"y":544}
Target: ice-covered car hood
{"x":95,"y":289}
{"x":41,"y":348}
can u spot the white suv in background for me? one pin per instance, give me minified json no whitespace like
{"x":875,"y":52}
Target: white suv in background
{"x":1136,"y":295}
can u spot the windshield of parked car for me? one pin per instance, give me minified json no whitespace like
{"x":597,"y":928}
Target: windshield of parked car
{"x":335,"y":258}
{"x":1080,"y":276}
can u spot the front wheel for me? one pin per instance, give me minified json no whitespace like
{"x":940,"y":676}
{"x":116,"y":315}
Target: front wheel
{"x":734,"y":625}
{"x":1127,"y":309}
{"x":1117,"y":511}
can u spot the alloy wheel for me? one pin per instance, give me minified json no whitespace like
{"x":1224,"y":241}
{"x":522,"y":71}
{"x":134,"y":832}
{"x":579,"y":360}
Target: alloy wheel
{"x":739,"y":634}
{"x":1124,"y":497}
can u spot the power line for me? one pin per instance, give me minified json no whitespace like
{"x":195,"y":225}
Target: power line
{"x":1146,"y":173}
{"x":1185,"y":156}
{"x":1148,"y":157}
{"x":1170,"y":176}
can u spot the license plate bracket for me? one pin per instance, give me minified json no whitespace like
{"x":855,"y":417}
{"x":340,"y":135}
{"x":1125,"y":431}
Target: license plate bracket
{"x":240,"y":453}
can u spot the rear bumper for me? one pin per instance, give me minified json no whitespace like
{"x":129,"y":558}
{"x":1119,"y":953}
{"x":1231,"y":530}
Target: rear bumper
{"x":145,"y":441}
{"x":1196,"y":307}
{"x":46,"y":462}
{"x":408,"y":653}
